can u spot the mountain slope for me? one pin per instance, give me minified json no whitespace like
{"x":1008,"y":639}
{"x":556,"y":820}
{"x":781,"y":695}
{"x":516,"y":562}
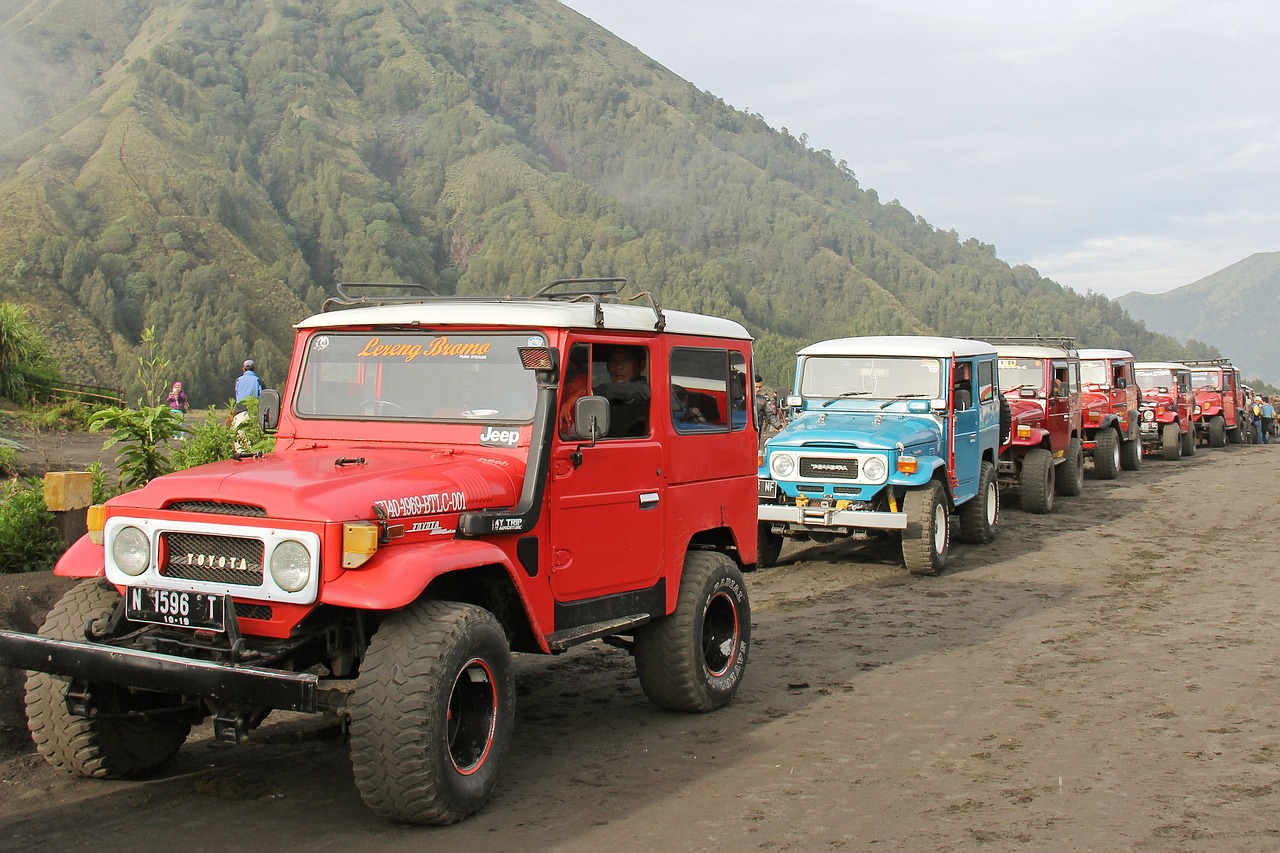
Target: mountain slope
{"x":1235,"y":309}
{"x":213,"y":167}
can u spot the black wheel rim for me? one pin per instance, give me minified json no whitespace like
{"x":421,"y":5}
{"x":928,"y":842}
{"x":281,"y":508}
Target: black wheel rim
{"x":473,"y":716}
{"x":720,"y":635}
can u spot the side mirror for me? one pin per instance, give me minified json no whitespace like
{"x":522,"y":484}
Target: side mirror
{"x":591,"y":418}
{"x":795,"y":401}
{"x":269,"y":410}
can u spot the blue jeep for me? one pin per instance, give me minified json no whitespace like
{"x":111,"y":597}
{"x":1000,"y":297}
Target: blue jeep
{"x":888,"y":434}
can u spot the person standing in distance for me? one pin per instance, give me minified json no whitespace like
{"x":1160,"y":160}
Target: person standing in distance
{"x":247,"y":383}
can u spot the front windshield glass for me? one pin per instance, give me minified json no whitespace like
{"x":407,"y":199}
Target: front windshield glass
{"x":1094,"y":373}
{"x":1155,"y":379}
{"x":873,"y":377}
{"x":417,"y":376}
{"x":1018,"y":374}
{"x":1206,"y":379}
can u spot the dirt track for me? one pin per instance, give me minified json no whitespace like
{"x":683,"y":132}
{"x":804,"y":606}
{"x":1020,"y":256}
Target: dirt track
{"x":1101,"y":678}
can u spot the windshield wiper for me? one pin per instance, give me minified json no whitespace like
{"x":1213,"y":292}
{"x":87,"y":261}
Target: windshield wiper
{"x":887,"y":403}
{"x":845,"y":394}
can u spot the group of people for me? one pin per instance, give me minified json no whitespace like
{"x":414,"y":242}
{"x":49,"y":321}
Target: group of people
{"x":1262,"y":415}
{"x":248,"y":384}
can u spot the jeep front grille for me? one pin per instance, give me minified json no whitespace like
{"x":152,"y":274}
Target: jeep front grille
{"x":218,"y":508}
{"x":231,"y":560}
{"x":833,"y":468}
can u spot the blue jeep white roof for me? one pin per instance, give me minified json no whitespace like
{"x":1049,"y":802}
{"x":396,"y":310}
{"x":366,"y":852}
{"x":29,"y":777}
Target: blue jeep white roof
{"x":900,"y":345}
{"x":1104,"y":353}
{"x":525,"y":314}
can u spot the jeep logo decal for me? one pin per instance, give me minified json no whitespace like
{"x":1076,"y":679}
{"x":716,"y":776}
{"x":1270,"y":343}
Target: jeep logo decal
{"x":495,"y":437}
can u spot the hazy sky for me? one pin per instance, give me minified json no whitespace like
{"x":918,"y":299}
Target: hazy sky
{"x":1114,"y":145}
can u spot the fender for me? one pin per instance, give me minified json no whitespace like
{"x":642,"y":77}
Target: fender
{"x":1038,"y":437}
{"x":1210,"y":411}
{"x":398,"y":578}
{"x":82,"y":560}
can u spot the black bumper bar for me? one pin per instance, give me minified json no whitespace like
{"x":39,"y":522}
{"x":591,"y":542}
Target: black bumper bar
{"x":250,"y":685}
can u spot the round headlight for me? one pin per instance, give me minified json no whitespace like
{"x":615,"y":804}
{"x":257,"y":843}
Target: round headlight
{"x":1148,"y":414}
{"x":873,"y":468}
{"x":782,"y":465}
{"x":290,"y":565}
{"x":1197,"y":410}
{"x":131,"y":550}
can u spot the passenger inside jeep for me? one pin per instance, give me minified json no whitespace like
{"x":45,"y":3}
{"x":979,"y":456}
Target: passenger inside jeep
{"x":627,"y":391}
{"x":963,"y":385}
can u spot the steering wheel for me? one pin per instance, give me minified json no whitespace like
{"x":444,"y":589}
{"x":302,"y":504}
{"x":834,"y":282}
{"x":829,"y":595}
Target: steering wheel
{"x":381,"y":407}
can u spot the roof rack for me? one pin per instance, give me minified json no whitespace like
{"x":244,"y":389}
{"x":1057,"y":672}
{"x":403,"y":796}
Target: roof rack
{"x":1208,"y":362}
{"x":1064,"y":342}
{"x":594,"y":290}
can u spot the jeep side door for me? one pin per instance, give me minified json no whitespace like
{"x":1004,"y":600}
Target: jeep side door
{"x":965,"y":438}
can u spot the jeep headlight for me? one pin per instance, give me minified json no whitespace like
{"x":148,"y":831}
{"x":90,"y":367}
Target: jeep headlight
{"x":290,"y":565}
{"x":873,"y":469}
{"x":131,"y":549}
{"x":782,"y":465}
{"x":1197,"y":410}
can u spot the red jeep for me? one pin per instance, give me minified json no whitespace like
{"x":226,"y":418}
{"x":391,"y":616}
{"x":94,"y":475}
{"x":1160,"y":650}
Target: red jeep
{"x":1168,"y":425}
{"x":1219,"y":411}
{"x":1110,"y":418}
{"x":453,"y":479}
{"x":1040,"y":379}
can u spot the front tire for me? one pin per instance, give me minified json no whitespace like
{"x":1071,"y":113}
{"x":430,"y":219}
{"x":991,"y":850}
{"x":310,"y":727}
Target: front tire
{"x":121,"y":743}
{"x":1072,"y":484}
{"x":1171,"y":442}
{"x":979,"y":515}
{"x":433,"y":712}
{"x":927,"y":537}
{"x":1131,"y":454}
{"x":768,"y":546}
{"x":1217,"y":431}
{"x":1106,"y":456}
{"x":1036,"y":481}
{"x":694,"y":658}
{"x":1189,"y":442}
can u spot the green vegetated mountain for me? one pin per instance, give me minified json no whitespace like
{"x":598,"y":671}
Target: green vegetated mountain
{"x":1236,"y":309}
{"x":212,"y":167}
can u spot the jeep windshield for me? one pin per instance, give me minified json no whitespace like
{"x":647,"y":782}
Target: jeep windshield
{"x":877,"y":378}
{"x":1206,"y":379}
{"x":416,"y":376}
{"x":1092,"y":372}
{"x":1022,"y":374}
{"x":1156,"y":380}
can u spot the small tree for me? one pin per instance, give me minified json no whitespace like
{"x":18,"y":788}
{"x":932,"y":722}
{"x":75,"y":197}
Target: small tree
{"x":24,"y":353}
{"x":143,"y":435}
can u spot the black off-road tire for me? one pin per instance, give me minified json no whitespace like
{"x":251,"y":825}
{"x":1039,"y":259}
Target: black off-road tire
{"x":433,"y":712}
{"x":1036,"y":481}
{"x":768,"y":546}
{"x":1171,"y":442}
{"x":1106,"y":456}
{"x":927,"y":537}
{"x":1189,"y":442}
{"x":1069,"y":481}
{"x":980,"y":514}
{"x":1131,"y":454}
{"x":1217,"y":431}
{"x":694,"y":658}
{"x":104,"y":747}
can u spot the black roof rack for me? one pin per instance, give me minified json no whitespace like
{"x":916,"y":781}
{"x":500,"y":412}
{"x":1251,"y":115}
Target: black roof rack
{"x":594,"y":290}
{"x":1208,"y":362}
{"x":1064,"y":342}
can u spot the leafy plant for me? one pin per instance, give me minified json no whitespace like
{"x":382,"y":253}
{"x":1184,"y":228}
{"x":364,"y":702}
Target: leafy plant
{"x":24,"y":354}
{"x":8,"y":460}
{"x":143,"y":435}
{"x":29,"y":540}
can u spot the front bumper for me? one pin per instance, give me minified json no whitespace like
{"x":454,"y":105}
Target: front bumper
{"x":818,"y":516}
{"x":247,"y":685}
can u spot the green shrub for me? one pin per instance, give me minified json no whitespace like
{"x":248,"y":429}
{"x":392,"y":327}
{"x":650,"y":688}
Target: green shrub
{"x":29,"y":540}
{"x":143,"y":435}
{"x":8,"y":460}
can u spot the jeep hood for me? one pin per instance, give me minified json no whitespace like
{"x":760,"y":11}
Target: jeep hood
{"x":857,"y":429}
{"x":1026,"y":411}
{"x":310,"y":484}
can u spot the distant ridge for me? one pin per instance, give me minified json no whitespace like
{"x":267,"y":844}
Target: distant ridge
{"x":1236,"y":309}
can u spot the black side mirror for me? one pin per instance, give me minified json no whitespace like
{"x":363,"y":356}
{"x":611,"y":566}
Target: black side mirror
{"x":269,"y":410}
{"x":591,"y":418}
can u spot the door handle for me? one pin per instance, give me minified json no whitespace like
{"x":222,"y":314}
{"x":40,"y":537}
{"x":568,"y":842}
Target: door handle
{"x":648,"y":500}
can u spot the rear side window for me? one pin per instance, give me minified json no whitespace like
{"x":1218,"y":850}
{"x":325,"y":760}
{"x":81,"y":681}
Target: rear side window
{"x":708,"y":390}
{"x":986,"y":381}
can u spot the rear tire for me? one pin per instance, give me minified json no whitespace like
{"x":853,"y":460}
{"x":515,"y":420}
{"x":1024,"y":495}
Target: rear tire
{"x":432,"y":713}
{"x":768,"y":546}
{"x":1171,"y":442}
{"x":1189,"y":442}
{"x":980,"y":514}
{"x":693,"y":659}
{"x":1106,"y":456}
{"x":104,"y":747}
{"x":927,"y":537}
{"x":1071,"y":483}
{"x":1036,"y":482}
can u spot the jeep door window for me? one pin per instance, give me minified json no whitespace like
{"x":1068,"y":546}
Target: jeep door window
{"x":703,"y":389}
{"x":574,"y":385}
{"x":871,"y":377}
{"x":1022,"y":377}
{"x":986,"y":381}
{"x":620,"y":375}
{"x":416,"y":376}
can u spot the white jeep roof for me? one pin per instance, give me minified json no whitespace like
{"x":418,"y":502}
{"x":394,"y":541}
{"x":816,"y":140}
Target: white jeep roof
{"x":524,"y":314}
{"x":900,"y":345}
{"x":1160,"y":365}
{"x":1026,"y":351}
{"x":1104,"y":353}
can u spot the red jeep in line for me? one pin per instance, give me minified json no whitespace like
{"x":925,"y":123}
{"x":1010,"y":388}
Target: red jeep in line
{"x":1168,"y":406}
{"x":454,"y":478}
{"x":1219,"y":412}
{"x":1109,"y":399}
{"x":1044,"y":456}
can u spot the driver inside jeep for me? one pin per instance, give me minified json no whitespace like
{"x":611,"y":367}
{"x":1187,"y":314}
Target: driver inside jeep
{"x":627,"y":392}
